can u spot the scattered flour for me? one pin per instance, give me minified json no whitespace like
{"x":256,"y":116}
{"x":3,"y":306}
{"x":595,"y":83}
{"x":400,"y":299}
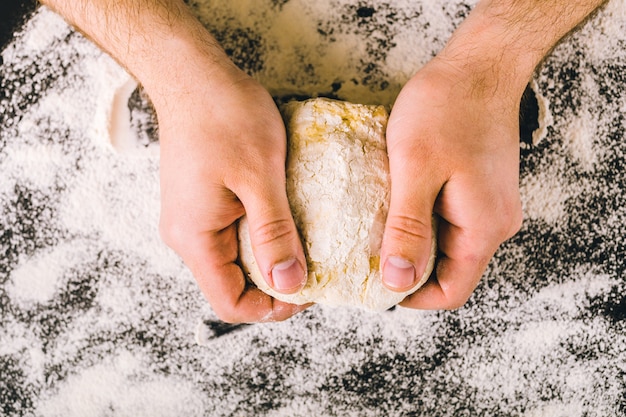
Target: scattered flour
{"x":98,"y":316}
{"x":38,"y":278}
{"x":579,"y":138}
{"x":544,"y":196}
{"x":362,"y":60}
{"x":118,"y":388}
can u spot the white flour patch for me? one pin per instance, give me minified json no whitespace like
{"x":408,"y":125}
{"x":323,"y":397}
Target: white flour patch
{"x":122,"y":388}
{"x":544,"y":196}
{"x":36,"y":280}
{"x":98,"y":316}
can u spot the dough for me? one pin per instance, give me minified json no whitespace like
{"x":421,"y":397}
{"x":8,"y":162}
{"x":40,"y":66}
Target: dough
{"x":338,"y":188}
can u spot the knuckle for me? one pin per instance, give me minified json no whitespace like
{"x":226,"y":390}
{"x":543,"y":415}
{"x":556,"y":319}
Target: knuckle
{"x":281,"y":317}
{"x":227,"y":315}
{"x":227,"y":312}
{"x":172,"y":233}
{"x":512,"y":222}
{"x":271,"y":232}
{"x":455,"y":303}
{"x":281,"y":312}
{"x":407,"y":229}
{"x":503,"y":222}
{"x":455,"y":299}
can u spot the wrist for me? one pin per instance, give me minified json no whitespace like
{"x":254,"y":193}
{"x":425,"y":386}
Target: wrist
{"x":183,"y":69}
{"x":501,"y":42}
{"x":488,"y":57}
{"x":160,"y":43}
{"x":181,"y":62}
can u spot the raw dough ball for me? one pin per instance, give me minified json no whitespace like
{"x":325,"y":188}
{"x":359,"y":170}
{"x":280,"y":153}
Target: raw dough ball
{"x":338,"y":188}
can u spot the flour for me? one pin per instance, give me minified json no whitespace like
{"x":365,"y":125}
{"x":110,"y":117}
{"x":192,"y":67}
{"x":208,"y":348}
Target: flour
{"x":97,"y":388}
{"x":356,"y":55}
{"x":338,"y":186}
{"x":37,"y":279}
{"x":580,"y":139}
{"x":98,"y":316}
{"x":544,"y":196}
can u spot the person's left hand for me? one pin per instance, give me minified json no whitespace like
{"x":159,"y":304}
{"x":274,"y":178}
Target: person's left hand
{"x":453,"y":147}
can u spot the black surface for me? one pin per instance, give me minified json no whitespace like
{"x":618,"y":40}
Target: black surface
{"x":13,"y":14}
{"x":544,"y":333}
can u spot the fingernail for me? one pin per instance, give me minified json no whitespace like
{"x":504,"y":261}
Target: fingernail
{"x":398,"y":273}
{"x":288,"y":276}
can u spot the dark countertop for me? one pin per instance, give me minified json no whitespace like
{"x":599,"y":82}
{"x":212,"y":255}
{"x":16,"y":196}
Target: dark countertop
{"x":14,"y":13}
{"x":98,"y":318}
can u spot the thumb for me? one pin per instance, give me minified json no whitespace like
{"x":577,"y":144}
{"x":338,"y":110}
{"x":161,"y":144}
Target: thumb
{"x":408,"y":237}
{"x":275,"y":241}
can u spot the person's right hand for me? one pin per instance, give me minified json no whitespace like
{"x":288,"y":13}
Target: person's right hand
{"x":223,"y":149}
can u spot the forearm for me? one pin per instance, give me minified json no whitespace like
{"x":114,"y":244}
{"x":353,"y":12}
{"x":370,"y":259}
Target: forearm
{"x":155,"y":40}
{"x":502,"y":41}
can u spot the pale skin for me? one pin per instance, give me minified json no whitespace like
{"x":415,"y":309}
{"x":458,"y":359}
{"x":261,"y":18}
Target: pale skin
{"x":453,"y":143}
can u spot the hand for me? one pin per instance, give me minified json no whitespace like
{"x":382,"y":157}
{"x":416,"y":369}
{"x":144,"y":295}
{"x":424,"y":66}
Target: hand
{"x":453,"y":143}
{"x":223,"y":148}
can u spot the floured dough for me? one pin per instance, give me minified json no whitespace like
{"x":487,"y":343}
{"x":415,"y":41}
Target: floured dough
{"x":338,"y":188}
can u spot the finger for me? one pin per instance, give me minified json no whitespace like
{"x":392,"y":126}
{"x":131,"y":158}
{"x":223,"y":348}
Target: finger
{"x":449,"y":288}
{"x":462,"y":260}
{"x":407,"y":239}
{"x":275,"y":240}
{"x":213,"y":262}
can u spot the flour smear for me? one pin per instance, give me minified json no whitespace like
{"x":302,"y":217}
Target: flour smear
{"x":100,"y":318}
